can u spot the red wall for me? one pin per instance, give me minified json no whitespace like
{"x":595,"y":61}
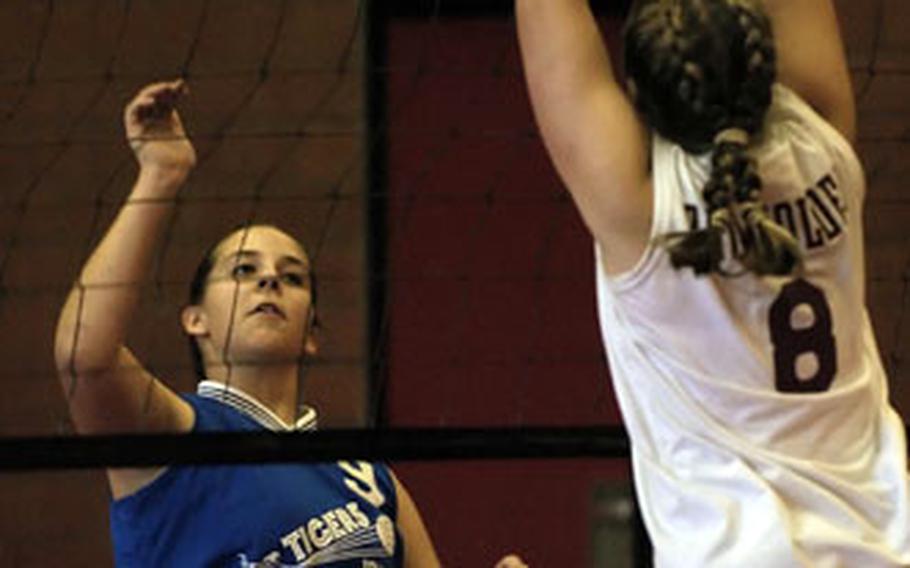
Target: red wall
{"x":491,"y":296}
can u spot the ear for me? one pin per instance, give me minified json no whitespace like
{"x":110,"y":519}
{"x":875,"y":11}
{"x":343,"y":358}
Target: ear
{"x":195,"y":322}
{"x":311,"y":346}
{"x":632,"y":89}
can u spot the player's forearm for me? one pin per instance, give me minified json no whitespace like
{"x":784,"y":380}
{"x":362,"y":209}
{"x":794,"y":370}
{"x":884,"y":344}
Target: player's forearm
{"x":96,"y":315}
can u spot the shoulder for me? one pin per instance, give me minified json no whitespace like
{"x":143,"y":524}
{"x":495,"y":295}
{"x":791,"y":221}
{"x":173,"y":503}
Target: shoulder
{"x":814,"y":142}
{"x":373,"y":481}
{"x":212,"y":415}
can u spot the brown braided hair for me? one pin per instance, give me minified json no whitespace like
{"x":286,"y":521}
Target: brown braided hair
{"x":702,"y":73}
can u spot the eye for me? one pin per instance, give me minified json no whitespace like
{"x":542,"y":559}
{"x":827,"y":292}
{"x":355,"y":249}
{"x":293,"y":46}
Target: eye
{"x":293,"y":279}
{"x":243,"y":271}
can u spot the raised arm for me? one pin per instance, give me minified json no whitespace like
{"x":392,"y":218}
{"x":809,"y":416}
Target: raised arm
{"x":106,"y":388}
{"x":589,"y":125}
{"x":811,"y":58}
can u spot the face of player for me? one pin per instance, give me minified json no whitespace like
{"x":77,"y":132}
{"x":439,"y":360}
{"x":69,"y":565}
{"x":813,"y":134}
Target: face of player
{"x":257,"y":306}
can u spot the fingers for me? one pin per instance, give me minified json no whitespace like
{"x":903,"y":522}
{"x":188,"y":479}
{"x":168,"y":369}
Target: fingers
{"x":154,"y":129}
{"x":163,"y":102}
{"x":156,"y":102}
{"x":511,"y":561}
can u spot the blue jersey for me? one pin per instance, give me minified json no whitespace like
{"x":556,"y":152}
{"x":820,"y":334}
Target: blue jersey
{"x":330,"y":514}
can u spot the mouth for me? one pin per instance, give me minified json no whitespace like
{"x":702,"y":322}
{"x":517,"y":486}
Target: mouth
{"x":268,"y":308}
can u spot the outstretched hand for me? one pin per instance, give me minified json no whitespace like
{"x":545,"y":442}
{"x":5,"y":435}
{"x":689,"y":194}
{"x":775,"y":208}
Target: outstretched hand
{"x":154,"y":130}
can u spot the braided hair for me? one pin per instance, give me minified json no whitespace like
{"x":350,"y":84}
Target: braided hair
{"x":701,"y":73}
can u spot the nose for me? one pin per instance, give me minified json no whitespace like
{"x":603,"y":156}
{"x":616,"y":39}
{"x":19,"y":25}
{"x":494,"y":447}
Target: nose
{"x":269,"y":282}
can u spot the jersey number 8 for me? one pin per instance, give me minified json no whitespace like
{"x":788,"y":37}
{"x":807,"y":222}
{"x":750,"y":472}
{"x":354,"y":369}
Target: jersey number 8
{"x":805,"y":353}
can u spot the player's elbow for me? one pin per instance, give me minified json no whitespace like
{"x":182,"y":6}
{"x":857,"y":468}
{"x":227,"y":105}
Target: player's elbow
{"x":76,"y":352}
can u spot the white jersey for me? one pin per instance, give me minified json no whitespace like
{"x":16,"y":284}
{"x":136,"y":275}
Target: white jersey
{"x":758,"y":406}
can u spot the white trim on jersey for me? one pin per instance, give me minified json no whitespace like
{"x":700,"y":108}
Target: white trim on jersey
{"x":247,"y":404}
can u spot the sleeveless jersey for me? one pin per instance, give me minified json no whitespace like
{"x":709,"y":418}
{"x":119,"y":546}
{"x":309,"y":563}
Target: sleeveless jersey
{"x":266,"y":516}
{"x":758,"y":407}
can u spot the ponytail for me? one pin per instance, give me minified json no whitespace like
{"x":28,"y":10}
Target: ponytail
{"x":731,"y":195}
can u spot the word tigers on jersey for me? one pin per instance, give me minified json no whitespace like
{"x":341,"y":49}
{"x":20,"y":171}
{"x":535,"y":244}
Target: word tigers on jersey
{"x":344,"y":532}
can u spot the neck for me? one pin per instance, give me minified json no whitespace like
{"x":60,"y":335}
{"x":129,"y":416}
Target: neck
{"x":275,"y":386}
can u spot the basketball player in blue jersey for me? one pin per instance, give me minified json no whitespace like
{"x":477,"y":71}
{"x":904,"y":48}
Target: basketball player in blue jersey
{"x":722,"y":190}
{"x":250,"y":321}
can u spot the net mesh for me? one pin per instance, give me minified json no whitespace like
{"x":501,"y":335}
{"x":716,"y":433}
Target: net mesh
{"x":279,"y":113}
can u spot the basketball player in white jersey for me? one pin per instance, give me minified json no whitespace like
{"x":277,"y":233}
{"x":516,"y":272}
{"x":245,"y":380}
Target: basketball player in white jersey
{"x":721,"y":187}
